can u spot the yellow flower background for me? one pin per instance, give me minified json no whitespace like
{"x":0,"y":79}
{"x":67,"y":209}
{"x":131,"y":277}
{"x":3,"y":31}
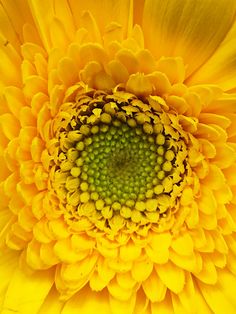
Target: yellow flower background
{"x":160,"y":73}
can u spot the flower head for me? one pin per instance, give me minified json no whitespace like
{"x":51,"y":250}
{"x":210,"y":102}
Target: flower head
{"x":118,"y":157}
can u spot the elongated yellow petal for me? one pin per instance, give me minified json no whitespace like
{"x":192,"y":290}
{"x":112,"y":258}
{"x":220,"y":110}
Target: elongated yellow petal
{"x":87,"y":302}
{"x":26,"y":294}
{"x":178,"y":306}
{"x":164,"y":307}
{"x":172,"y":276}
{"x":227,"y":283}
{"x":220,"y":68}
{"x":10,"y":64}
{"x":52,"y":304}
{"x":208,"y":273}
{"x":118,"y":292}
{"x":202,"y":306}
{"x":154,"y":288}
{"x":216,"y":299}
{"x":141,"y":270}
{"x":8,"y":263}
{"x":112,"y":11}
{"x":187,"y":297}
{"x":13,"y":16}
{"x":190,"y":29}
{"x":129,"y":252}
{"x":118,"y":306}
{"x":7,"y":31}
{"x":42,"y":20}
{"x":183,"y":244}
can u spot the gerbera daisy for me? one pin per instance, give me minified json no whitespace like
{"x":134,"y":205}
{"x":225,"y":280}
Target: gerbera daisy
{"x":118,"y":156}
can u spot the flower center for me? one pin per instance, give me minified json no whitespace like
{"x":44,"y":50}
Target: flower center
{"x":115,"y":166}
{"x":118,"y":163}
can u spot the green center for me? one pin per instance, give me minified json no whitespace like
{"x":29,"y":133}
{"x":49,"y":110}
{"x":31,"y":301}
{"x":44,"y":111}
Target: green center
{"x":119,"y":162}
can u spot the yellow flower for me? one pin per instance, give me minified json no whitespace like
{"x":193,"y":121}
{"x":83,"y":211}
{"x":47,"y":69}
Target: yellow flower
{"x":118,"y":156}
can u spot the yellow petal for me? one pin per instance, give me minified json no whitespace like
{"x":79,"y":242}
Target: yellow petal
{"x":67,"y":71}
{"x":209,"y":132}
{"x":173,"y":68}
{"x":30,"y":34}
{"x":225,"y":155}
{"x":208,"y":273}
{"x":177,"y":103}
{"x":10,"y":64}
{"x":127,"y":58}
{"x":8,"y":263}
{"x":202,"y":306}
{"x":125,"y":280}
{"x":52,"y":303}
{"x":183,"y":244}
{"x":227,"y":101}
{"x":187,"y":297}
{"x":81,"y":242}
{"x":89,"y":23}
{"x":229,"y":175}
{"x":203,"y":240}
{"x":33,"y":256}
{"x":217,"y":299}
{"x":26,"y":191}
{"x":164,"y":307}
{"x":65,"y":253}
{"x":118,"y":292}
{"x":124,"y":307}
{"x":172,"y":276}
{"x":117,"y":71}
{"x":26,"y":294}
{"x":129,"y":252}
{"x":160,"y":82}
{"x":208,"y":222}
{"x":146,"y":61}
{"x":15,"y":99}
{"x":141,"y":270}
{"x":189,"y":262}
{"x":59,"y":228}
{"x":87,"y":302}
{"x":63,"y":12}
{"x":158,"y":248}
{"x":26,"y":117}
{"x":9,"y":125}
{"x":190,"y":29}
{"x":96,"y":283}
{"x":33,"y":85}
{"x":220,"y":68}
{"x":212,"y":118}
{"x":207,"y":202}
{"x":7,"y":31}
{"x":19,"y":13}
{"x":215,"y":178}
{"x":112,"y":11}
{"x":47,"y":254}
{"x":104,"y":271}
{"x":139,"y":84}
{"x":154,"y":288}
{"x":178,"y":306}
{"x":59,"y":35}
{"x":73,"y":273}
{"x":141,"y":305}
{"x":227,"y":283}
{"x":42,"y":20}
